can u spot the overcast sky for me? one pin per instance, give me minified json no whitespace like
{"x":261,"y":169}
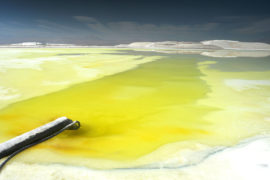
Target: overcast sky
{"x":104,"y":22}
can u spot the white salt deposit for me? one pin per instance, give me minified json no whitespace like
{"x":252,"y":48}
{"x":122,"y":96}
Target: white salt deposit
{"x":248,"y":160}
{"x":8,"y":93}
{"x":237,"y":45}
{"x":242,"y":84}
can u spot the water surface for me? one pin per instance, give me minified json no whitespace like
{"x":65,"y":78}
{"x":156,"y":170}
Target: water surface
{"x":131,"y":113}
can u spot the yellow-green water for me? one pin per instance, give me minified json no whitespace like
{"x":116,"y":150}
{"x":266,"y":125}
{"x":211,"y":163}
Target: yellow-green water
{"x":131,"y":113}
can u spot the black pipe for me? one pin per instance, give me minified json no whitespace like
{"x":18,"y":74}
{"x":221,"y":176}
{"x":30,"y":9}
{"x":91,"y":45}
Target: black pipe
{"x":18,"y":144}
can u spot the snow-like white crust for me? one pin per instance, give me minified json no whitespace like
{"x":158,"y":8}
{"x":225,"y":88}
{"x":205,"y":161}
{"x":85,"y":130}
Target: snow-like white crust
{"x":6,"y":145}
{"x":237,"y":45}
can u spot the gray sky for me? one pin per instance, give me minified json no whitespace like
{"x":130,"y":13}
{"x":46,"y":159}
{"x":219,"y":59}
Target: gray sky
{"x":104,"y":22}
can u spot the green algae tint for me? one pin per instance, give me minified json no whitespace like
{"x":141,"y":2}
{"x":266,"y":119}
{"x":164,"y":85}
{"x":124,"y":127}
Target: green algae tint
{"x":128,"y":115}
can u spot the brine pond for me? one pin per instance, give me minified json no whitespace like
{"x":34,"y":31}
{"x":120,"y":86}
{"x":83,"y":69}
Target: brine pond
{"x":137,"y":108}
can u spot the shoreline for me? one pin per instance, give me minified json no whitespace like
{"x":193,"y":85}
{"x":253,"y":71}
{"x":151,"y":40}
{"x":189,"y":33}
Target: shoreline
{"x":232,"y":161}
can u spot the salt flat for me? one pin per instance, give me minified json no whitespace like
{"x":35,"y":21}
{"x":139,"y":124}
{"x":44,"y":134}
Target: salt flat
{"x":146,"y":114}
